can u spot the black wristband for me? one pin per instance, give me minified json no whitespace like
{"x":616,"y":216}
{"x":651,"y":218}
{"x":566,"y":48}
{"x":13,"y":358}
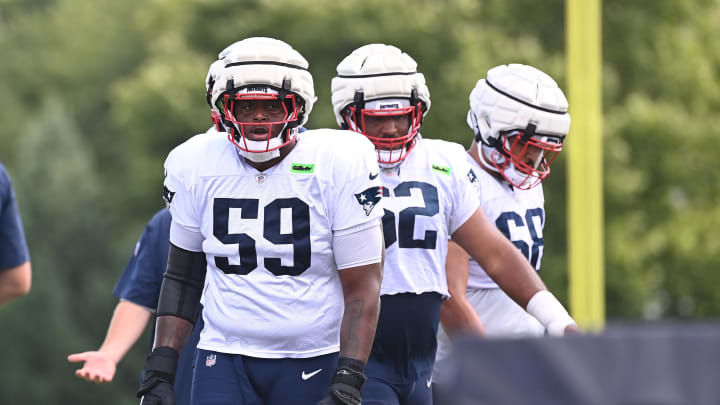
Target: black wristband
{"x":162,"y":362}
{"x":349,"y":371}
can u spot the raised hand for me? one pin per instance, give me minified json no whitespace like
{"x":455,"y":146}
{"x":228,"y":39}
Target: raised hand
{"x":99,"y":366}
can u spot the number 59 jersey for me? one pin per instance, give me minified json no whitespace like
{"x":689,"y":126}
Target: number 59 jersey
{"x":518,"y":214}
{"x":427,"y":198}
{"x":272,"y":288}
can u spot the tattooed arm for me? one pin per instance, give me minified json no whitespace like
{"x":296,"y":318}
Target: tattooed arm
{"x":361,"y":288}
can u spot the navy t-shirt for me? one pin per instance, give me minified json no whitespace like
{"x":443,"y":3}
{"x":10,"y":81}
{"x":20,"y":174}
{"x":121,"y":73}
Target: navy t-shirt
{"x":13,"y":247}
{"x":140,"y":284}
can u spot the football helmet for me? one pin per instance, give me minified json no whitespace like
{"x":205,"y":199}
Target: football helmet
{"x":520,"y":119}
{"x":376,"y":81}
{"x":212,"y":76}
{"x":263,"y":69}
{"x":213,"y":73}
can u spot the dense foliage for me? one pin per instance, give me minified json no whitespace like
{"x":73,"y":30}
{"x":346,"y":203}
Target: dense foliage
{"x":96,"y":93}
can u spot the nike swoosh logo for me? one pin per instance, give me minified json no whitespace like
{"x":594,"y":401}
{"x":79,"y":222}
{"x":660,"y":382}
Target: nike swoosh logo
{"x":429,"y":382}
{"x":308,"y":376}
{"x":373,"y":176}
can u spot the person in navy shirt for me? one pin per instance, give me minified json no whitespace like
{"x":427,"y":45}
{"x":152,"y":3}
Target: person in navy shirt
{"x":15,"y":276}
{"x":138,"y":290}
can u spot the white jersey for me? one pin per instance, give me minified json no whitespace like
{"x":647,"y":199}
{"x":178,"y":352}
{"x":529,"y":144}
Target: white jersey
{"x":427,"y":198}
{"x":518,"y":214}
{"x":272,"y":288}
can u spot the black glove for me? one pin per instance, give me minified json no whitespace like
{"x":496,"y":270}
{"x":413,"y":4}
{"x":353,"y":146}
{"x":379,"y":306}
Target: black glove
{"x":158,"y":377}
{"x":347,"y":383}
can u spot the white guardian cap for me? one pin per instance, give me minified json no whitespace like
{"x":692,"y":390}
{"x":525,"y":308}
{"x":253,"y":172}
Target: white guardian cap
{"x":520,"y":119}
{"x":378,"y":80}
{"x":262,"y":69}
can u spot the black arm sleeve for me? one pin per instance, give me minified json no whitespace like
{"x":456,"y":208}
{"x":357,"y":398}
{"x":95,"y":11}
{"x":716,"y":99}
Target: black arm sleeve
{"x":182,"y":284}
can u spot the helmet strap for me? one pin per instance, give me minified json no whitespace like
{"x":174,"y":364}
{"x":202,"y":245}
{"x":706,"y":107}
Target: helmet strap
{"x":529,"y":132}
{"x":414,"y":99}
{"x":359,"y":103}
{"x":283,"y":93}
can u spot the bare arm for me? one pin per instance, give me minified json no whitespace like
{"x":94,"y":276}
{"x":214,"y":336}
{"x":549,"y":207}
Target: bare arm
{"x":456,"y":314}
{"x":15,"y":282}
{"x":171,"y":331}
{"x":126,"y":326}
{"x":512,"y":272}
{"x":499,"y":258}
{"x":361,"y":288}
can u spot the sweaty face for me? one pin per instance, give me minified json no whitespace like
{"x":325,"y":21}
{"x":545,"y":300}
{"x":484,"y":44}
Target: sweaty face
{"x":256,"y":116}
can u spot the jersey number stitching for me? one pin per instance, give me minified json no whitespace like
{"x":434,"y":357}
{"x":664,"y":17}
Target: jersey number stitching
{"x":532,"y":253}
{"x":299,"y":237}
{"x":406,"y":218}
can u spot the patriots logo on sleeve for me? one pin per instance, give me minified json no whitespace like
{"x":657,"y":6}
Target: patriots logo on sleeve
{"x":472,"y":177}
{"x":369,"y":198}
{"x":168,"y":195}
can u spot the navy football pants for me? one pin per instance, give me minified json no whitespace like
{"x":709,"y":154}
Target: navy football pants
{"x":224,"y":379}
{"x":403,"y":354}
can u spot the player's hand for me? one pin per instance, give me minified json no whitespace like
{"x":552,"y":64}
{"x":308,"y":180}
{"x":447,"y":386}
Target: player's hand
{"x":158,"y":377}
{"x":99,"y":367}
{"x":161,"y":393}
{"x":346,"y":384}
{"x":571,"y":330}
{"x":342,"y":394}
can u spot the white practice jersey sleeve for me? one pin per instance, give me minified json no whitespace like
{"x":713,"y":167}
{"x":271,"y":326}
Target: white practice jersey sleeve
{"x":426,"y":199}
{"x":518,"y":214}
{"x":359,"y":248}
{"x":358,"y":196}
{"x":272,"y":288}
{"x":180,"y":194}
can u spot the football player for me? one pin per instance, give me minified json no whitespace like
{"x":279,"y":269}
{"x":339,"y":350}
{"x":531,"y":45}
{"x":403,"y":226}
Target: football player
{"x":138,"y":289}
{"x":429,"y":194}
{"x":287,"y":227}
{"x":519,"y":117}
{"x":15,"y":273}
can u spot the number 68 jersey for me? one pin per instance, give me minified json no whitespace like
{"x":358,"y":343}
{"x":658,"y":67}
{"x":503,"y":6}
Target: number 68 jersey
{"x":272,"y":288}
{"x":518,"y":214}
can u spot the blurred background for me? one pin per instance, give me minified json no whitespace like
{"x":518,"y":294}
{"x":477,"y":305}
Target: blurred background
{"x":94,"y":94}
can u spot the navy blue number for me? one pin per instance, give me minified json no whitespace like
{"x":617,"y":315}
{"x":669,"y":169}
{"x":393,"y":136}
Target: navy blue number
{"x":406,"y":225}
{"x":246,"y":244}
{"x":538,"y":242}
{"x":503,"y":224}
{"x":388,"y":222}
{"x":299,"y":238}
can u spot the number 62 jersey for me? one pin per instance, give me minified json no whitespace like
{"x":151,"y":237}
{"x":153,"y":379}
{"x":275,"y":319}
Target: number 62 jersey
{"x":272,"y":288}
{"x":428,"y":197}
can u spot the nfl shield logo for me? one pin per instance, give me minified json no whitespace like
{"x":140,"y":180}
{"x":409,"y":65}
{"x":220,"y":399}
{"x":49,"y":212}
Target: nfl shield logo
{"x":210,"y":360}
{"x":260,"y":178}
